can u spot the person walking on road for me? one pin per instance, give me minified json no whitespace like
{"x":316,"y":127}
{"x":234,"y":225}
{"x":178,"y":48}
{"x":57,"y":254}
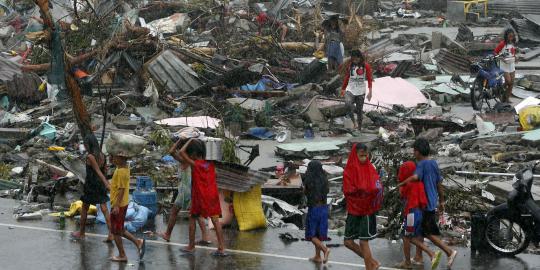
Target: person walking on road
{"x":95,"y":186}
{"x":363,"y":197}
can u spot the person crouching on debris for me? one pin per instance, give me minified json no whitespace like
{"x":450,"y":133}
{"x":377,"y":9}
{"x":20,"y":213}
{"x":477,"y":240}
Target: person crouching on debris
{"x":204,"y":194}
{"x":363,"y":197}
{"x":428,"y":172}
{"x":316,"y":190}
{"x":357,"y":73}
{"x":95,"y":187}
{"x":183,"y":199}
{"x":507,"y":50}
{"x":264,"y":19}
{"x":333,"y":37}
{"x":414,"y":202}
{"x":119,"y":205}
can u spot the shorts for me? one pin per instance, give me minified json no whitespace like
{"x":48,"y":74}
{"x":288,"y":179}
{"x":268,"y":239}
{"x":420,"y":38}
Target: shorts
{"x":195,"y":216}
{"x":429,"y":223}
{"x":317,"y":223}
{"x":117,"y":221}
{"x":412,"y":223}
{"x":361,"y":227}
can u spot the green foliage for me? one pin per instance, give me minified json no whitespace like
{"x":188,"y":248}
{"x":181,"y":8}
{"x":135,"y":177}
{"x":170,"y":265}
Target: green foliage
{"x":5,"y":171}
{"x":162,"y":138}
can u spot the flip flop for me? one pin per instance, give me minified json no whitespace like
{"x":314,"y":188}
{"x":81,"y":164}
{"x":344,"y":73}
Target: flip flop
{"x":162,"y":235}
{"x":452,"y":258}
{"x":116,"y":259}
{"x":326,"y":256}
{"x":142,"y":250}
{"x":220,"y":254}
{"x":403,"y":265}
{"x":187,"y":252}
{"x":436,"y":260}
{"x":417,"y":263}
{"x":76,"y":236}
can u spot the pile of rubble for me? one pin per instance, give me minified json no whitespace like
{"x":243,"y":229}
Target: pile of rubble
{"x":152,"y":68}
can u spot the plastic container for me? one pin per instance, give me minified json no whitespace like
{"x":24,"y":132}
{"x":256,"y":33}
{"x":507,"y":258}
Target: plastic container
{"x":144,"y":183}
{"x":148,"y":199}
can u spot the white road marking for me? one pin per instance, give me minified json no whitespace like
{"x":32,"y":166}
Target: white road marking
{"x":198,"y":247}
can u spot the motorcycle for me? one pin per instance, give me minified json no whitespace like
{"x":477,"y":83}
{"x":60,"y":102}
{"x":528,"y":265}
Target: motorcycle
{"x":511,"y":226}
{"x":488,"y":83}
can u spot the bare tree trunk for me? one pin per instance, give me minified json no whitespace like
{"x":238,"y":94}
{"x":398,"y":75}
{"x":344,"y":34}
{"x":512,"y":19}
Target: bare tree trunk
{"x":79,"y":109}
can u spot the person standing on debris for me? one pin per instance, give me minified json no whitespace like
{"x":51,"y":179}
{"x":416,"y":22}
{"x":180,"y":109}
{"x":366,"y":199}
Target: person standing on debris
{"x":119,"y":205}
{"x":204,"y":194}
{"x":316,"y":190}
{"x":333,"y":37}
{"x":414,"y":201}
{"x":183,"y":199}
{"x":507,"y":50}
{"x":357,"y":73}
{"x":264,"y":19}
{"x":95,"y":186}
{"x":428,"y":172}
{"x":363,"y":197}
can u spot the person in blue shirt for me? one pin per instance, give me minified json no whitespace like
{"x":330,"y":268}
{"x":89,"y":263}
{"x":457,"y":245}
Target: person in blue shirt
{"x":427,"y":171}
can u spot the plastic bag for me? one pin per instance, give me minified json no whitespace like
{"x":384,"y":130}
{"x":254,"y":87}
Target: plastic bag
{"x":529,"y":117}
{"x":126,"y":145}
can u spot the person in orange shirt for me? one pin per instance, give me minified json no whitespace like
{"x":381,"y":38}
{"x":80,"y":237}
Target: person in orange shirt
{"x":119,"y":205}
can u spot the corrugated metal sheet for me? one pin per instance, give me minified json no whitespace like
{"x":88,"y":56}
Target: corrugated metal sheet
{"x":172,"y":73}
{"x":238,"y":178}
{"x":526,"y":30}
{"x":453,"y":63}
{"x":508,"y":6}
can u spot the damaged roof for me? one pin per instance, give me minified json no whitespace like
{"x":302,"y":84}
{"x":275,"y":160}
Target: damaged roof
{"x":173,"y":73}
{"x":453,"y":63}
{"x":527,"y":31}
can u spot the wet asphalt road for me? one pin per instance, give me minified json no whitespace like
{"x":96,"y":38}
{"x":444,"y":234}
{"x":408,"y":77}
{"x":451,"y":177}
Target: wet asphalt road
{"x":43,"y":245}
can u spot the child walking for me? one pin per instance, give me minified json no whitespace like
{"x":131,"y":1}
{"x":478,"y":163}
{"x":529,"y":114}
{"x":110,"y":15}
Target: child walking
{"x":316,"y":190}
{"x":204,"y":194}
{"x":183,"y":199}
{"x":95,"y":187}
{"x":414,"y":201}
{"x":363,"y":195}
{"x":119,"y":205}
{"x":427,"y":171}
